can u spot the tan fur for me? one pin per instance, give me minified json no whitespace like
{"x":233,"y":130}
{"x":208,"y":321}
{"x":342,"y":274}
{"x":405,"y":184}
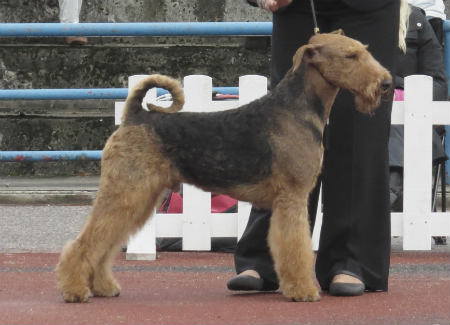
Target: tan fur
{"x":138,"y":92}
{"x":135,"y":172}
{"x":123,"y":204}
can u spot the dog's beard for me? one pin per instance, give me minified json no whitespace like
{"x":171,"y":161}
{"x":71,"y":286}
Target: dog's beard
{"x":365,"y":105}
{"x":369,"y":99}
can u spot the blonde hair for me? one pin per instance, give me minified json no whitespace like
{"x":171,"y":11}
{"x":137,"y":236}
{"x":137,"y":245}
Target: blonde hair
{"x":405,"y":10}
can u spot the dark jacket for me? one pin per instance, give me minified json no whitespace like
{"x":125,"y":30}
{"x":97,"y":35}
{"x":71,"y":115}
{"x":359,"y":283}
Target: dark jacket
{"x":424,"y":55}
{"x":362,"y":5}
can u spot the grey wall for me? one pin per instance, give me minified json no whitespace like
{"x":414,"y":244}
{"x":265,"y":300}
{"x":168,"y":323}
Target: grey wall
{"x":104,"y":63}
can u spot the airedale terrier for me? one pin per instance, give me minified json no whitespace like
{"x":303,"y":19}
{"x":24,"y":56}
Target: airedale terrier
{"x":267,"y":152}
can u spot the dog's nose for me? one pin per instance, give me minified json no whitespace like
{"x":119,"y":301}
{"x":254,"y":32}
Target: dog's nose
{"x":386,"y":84}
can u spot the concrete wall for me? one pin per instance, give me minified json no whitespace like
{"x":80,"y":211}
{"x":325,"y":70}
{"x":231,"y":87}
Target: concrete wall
{"x":134,"y":11}
{"x":104,"y":63}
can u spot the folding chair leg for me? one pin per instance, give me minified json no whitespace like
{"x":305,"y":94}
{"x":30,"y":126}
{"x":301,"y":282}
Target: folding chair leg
{"x":443,"y":188}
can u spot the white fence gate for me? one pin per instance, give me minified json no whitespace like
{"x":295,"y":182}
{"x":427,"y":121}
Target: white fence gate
{"x":418,"y":112}
{"x":196,"y":224}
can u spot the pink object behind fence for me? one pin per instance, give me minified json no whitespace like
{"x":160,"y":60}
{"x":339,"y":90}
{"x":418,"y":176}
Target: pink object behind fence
{"x":399,"y":94}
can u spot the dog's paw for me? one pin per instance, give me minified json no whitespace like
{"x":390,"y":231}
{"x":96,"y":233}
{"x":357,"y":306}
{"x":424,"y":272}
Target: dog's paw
{"x":106,"y":289}
{"x":306,"y":298}
{"x":80,"y":296}
{"x":303,"y":295}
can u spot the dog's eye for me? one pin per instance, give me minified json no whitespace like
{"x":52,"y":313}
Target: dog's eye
{"x":352,"y":56}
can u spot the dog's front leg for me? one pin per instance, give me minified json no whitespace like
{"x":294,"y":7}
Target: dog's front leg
{"x":290,"y":244}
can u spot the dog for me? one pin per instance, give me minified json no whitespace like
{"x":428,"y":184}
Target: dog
{"x":268,"y":152}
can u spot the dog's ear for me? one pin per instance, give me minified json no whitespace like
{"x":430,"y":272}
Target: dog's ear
{"x":338,"y":31}
{"x":310,"y":53}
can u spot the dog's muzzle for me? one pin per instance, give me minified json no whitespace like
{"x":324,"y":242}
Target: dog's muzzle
{"x":386,"y":85}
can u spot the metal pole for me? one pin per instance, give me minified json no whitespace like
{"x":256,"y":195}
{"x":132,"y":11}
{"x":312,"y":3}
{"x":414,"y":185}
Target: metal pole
{"x":21,"y":156}
{"x":136,"y":29}
{"x":56,"y":94}
{"x":71,"y":94}
{"x":447,"y":73}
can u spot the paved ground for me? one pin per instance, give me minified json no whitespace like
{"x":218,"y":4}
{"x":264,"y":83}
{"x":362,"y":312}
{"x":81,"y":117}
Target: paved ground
{"x":48,"y":190}
{"x":41,"y":214}
{"x":39,"y":228}
{"x":189,"y":288}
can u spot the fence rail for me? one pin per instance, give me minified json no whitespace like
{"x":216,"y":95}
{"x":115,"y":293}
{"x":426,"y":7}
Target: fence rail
{"x":136,"y":29}
{"x":86,"y":93}
{"x":447,"y":51}
{"x":63,"y":94}
{"x":54,"y":155}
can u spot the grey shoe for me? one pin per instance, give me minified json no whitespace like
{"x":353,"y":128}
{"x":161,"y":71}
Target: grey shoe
{"x":245,"y":283}
{"x":346,"y":289}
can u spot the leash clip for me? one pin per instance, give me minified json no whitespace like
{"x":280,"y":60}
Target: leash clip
{"x":316,"y":27}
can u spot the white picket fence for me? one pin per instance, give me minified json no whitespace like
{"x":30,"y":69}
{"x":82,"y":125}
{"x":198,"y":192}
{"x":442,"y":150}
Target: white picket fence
{"x":418,"y":112}
{"x":197,"y":225}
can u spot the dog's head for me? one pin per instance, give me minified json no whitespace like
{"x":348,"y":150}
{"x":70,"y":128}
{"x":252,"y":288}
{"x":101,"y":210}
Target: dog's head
{"x":346,"y":63}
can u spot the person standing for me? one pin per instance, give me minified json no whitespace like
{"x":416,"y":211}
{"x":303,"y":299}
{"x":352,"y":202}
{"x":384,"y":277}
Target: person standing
{"x":69,"y":12}
{"x":435,"y":13}
{"x":354,"y":248}
{"x":419,"y":53}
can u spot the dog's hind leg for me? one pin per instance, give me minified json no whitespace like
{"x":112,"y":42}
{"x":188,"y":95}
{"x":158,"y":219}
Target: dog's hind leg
{"x":290,"y":244}
{"x":129,"y":189}
{"x":103,"y":283}
{"x":85,"y":264}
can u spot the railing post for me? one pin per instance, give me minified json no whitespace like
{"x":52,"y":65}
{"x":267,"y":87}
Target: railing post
{"x":251,"y":87}
{"x":196,"y":203}
{"x":142,"y":245}
{"x":447,"y":74}
{"x":315,"y":236}
{"x":417,"y":163}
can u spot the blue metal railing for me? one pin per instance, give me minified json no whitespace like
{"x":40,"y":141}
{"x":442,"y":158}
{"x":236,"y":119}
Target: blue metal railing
{"x":21,"y":156}
{"x":131,"y":29}
{"x":447,"y":73}
{"x":447,"y":52}
{"x":120,"y":29}
{"x":136,"y":29}
{"x":57,"y":94}
{"x":108,"y":29}
{"x":95,"y":93}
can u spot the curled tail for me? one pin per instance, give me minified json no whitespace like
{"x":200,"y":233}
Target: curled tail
{"x":133,"y":104}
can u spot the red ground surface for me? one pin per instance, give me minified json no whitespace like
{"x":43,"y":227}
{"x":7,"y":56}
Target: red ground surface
{"x":189,"y":288}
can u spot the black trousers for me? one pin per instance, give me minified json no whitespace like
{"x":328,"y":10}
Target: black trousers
{"x":355,"y":233}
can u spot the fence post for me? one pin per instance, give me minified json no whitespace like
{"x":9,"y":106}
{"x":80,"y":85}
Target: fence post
{"x":418,"y":163}
{"x":142,"y":245}
{"x":197,"y":203}
{"x":251,"y":87}
{"x":447,"y":74}
{"x":315,"y":236}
